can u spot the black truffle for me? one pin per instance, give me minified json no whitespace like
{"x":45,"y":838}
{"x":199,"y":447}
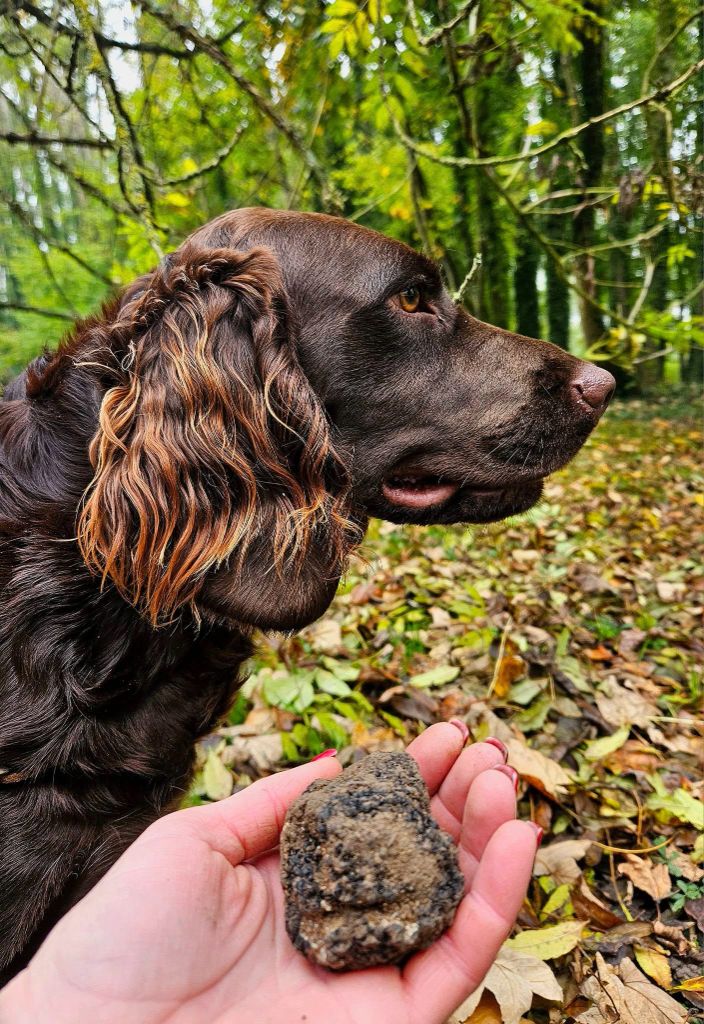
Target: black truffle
{"x":368,"y":876}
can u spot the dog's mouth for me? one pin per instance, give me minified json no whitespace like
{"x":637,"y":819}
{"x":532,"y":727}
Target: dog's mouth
{"x":419,"y":492}
{"x":414,"y":490}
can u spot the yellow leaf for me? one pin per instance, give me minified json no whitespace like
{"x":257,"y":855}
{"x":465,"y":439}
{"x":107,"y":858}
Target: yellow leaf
{"x":548,"y":943}
{"x":177,"y":199}
{"x":691,"y":985}
{"x":656,"y":965}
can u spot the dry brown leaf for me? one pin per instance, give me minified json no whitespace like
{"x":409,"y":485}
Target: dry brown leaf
{"x":633,"y":756}
{"x":625,"y":995}
{"x":514,"y":978}
{"x":622,"y":706}
{"x":559,"y":860}
{"x":540,"y":771}
{"x":264,"y":752}
{"x":325,"y":636}
{"x":589,"y":907}
{"x":651,"y":878}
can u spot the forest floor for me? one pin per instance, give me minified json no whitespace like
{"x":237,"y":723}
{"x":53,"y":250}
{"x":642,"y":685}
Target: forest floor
{"x":574,"y":634}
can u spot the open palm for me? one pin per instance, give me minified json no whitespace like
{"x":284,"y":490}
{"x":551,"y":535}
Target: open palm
{"x":188,"y":926}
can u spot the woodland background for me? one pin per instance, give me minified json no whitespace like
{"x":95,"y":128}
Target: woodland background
{"x":549,"y":154}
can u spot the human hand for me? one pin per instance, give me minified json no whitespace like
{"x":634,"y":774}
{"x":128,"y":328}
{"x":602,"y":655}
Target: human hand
{"x":187,"y":927}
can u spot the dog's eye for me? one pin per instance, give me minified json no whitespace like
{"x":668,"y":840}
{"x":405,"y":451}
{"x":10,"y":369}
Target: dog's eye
{"x":409,"y":299}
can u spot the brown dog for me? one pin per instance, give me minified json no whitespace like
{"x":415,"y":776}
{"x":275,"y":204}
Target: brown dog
{"x":199,"y":460}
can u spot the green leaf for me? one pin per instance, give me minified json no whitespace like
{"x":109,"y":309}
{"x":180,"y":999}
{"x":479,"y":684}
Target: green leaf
{"x":341,"y":669}
{"x":435,"y":676}
{"x":329,"y":683}
{"x":598,"y":749}
{"x":681,"y":805}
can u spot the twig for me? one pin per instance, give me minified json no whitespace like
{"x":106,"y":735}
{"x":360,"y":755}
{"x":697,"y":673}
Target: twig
{"x":442,"y":30}
{"x":476,"y":264}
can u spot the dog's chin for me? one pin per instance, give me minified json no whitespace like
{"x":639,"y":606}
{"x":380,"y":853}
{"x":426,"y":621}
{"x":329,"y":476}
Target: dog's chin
{"x":449,"y":503}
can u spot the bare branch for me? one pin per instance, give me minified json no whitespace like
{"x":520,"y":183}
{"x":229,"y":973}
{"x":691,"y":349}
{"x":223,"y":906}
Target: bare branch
{"x":21,"y":307}
{"x":655,"y":96}
{"x":36,"y":139}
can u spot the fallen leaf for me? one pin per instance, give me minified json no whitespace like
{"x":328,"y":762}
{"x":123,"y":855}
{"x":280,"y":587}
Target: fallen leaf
{"x":540,"y":771}
{"x":488,"y":1011}
{"x":325,"y":635}
{"x":596,"y":750}
{"x":510,"y":668}
{"x":651,"y":878}
{"x":218,"y":781}
{"x":435,"y":676}
{"x":622,"y":706}
{"x":264,"y":752}
{"x":695,"y":909}
{"x":656,"y":965}
{"x":633,"y":756}
{"x":559,"y":860}
{"x":548,"y":943}
{"x":588,"y":907}
{"x":670,"y":591}
{"x":680,"y":804}
{"x":624,"y":995}
{"x":514,"y":978}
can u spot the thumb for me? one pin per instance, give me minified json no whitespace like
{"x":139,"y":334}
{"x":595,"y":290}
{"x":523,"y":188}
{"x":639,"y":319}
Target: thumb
{"x":249,"y":823}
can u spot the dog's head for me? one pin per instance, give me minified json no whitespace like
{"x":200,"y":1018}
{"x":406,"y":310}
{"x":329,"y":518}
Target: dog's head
{"x":282,"y":376}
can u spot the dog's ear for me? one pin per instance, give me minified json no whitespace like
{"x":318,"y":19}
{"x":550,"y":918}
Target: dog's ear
{"x":213,"y":459}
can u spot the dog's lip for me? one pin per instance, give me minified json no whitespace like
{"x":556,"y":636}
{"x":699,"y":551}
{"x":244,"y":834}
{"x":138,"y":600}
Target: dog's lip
{"x":419,"y":489}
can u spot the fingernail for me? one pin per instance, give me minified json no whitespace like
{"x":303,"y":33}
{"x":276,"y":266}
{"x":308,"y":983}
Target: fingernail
{"x":509,"y":772}
{"x":499,"y":746}
{"x":459,"y":724}
{"x":538,"y":832}
{"x":326,"y":753}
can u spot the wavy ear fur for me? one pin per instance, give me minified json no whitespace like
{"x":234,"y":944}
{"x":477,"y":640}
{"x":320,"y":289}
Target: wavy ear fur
{"x":212,"y":443}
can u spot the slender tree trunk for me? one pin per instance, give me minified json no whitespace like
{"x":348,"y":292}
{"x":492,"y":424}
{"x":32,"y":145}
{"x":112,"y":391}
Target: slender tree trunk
{"x":591,"y":76}
{"x":525,"y":285}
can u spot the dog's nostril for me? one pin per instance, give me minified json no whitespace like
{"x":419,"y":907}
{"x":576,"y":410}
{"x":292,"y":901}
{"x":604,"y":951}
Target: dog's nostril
{"x":594,"y":386}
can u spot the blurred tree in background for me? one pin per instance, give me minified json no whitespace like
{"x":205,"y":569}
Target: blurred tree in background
{"x":554,"y":146}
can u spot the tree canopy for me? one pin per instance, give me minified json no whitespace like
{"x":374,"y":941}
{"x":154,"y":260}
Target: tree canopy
{"x":548,"y":153}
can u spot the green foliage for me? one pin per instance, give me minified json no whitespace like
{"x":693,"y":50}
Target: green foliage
{"x":296,"y":105}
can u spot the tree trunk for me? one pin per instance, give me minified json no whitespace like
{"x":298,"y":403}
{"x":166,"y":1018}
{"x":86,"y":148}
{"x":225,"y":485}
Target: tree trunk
{"x":525,"y":285}
{"x":591,"y":77}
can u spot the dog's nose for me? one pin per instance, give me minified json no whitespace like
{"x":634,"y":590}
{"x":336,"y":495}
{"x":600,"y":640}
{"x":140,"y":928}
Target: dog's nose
{"x":593,"y":386}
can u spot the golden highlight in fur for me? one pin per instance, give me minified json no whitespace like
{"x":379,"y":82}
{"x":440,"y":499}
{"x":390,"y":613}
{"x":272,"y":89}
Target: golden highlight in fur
{"x":210,"y":436}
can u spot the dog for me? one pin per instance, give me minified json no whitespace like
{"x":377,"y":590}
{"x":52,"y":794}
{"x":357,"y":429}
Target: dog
{"x":196,"y":462}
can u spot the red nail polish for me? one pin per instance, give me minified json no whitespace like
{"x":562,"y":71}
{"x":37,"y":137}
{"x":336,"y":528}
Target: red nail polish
{"x":499,"y":746}
{"x":326,"y":753}
{"x":538,"y":833}
{"x":510,"y":772}
{"x":459,"y":724}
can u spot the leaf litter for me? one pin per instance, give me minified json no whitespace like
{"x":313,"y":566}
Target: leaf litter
{"x":574,"y":634}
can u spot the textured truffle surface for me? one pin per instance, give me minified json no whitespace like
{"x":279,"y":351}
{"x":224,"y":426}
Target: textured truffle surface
{"x":368,"y":876}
